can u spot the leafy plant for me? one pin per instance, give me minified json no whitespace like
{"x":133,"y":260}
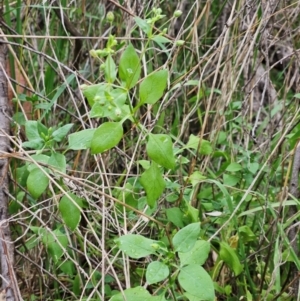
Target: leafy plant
{"x":191,"y":252}
{"x":152,"y":159}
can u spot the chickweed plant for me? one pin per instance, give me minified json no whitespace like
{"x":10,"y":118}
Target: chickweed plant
{"x":156,"y":158}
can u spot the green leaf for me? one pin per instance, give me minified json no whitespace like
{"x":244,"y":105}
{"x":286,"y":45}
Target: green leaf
{"x":110,"y":70}
{"x":144,"y":163}
{"x":297,"y":95}
{"x":230,"y":180}
{"x":58,"y":161}
{"x":161,"y":40}
{"x":59,"y":134}
{"x":40,"y":158}
{"x":41,"y":128}
{"x":229,"y":256}
{"x":185,"y":239}
{"x":129,"y":67}
{"x":143,"y":25}
{"x":160,"y":149}
{"x":81,"y":140}
{"x":153,"y":86}
{"x":191,"y":297}
{"x":94,"y":93}
{"x":70,"y":210}
{"x":111,"y":104}
{"x":31,"y":130}
{"x":68,"y":267}
{"x":253,"y":167}
{"x":205,"y":147}
{"x":37,"y":182}
{"x":136,"y":246}
{"x":118,"y":97}
{"x":197,"y":283}
{"x":77,"y":285}
{"x":175,"y":216}
{"x":193,"y":143}
{"x":156,"y":272}
{"x":21,"y":175}
{"x":234,"y":167}
{"x":247,"y":234}
{"x":196,"y":177}
{"x":135,"y":294}
{"x":98,"y":110}
{"x":192,"y":212}
{"x":106,"y":136}
{"x":197,"y":255}
{"x":153,"y":183}
{"x":34,"y":144}
{"x":55,"y":249}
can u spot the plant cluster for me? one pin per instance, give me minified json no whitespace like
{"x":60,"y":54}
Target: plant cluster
{"x":139,"y":178}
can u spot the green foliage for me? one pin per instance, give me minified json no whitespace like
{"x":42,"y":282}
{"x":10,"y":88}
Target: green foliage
{"x":145,"y":171}
{"x":136,"y":246}
{"x":196,"y":255}
{"x":55,"y":241}
{"x":106,"y":136}
{"x":39,"y":136}
{"x":228,"y":255}
{"x":70,"y":208}
{"x":58,"y":161}
{"x":203,"y":146}
{"x":81,"y":140}
{"x":153,"y":183}
{"x":159,"y":149}
{"x":197,"y":283}
{"x":191,"y":252}
{"x":135,"y":294}
{"x":129,"y":67}
{"x":153,"y":86}
{"x":37,"y":182}
{"x":156,"y":272}
{"x":185,"y":239}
